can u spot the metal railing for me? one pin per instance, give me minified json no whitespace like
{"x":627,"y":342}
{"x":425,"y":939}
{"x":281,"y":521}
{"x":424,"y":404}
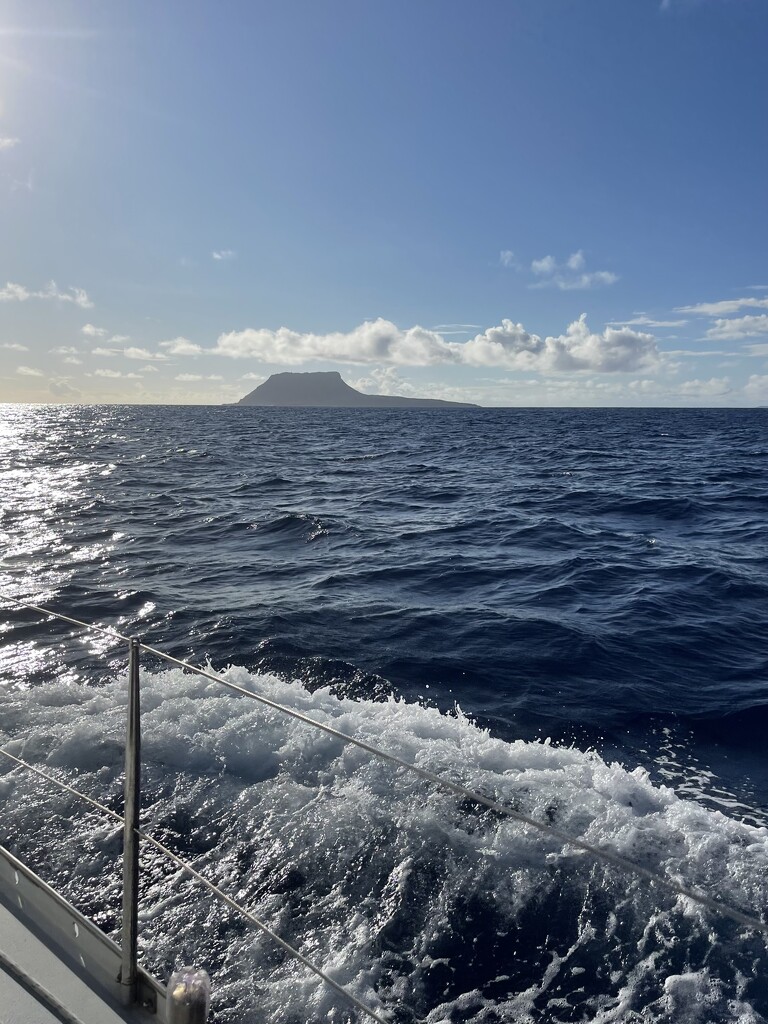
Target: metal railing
{"x":133,"y":833}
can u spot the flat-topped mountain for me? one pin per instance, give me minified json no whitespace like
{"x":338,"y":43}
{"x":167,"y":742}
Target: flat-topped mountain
{"x":328,"y":390}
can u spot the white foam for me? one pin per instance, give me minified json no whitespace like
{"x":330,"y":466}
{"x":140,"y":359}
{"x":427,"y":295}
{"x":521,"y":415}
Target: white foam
{"x":400,"y":892}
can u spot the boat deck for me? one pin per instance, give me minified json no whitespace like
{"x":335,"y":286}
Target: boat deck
{"x":20,"y":1004}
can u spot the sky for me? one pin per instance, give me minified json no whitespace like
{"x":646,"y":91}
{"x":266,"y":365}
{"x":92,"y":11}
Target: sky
{"x":507,"y":202}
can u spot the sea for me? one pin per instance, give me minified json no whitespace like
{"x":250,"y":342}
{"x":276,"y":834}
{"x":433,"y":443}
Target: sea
{"x":563,"y":609}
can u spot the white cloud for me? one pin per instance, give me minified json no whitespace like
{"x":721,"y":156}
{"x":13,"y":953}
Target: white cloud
{"x":507,"y":259}
{"x":754,"y":350}
{"x":14,"y":293}
{"x":94,"y":332}
{"x":181,"y":347}
{"x":373,"y":341}
{"x":117,"y":373}
{"x":253,"y":376}
{"x":723,"y":307}
{"x":28,"y":371}
{"x":642,"y":320}
{"x":384,"y":381}
{"x":76,"y":295}
{"x":508,"y":346}
{"x":19,"y":293}
{"x":223,"y":254}
{"x":14,"y":346}
{"x":697,"y":352}
{"x":739,"y":327}
{"x":149,"y":368}
{"x":107,"y":352}
{"x":63,"y":350}
{"x":546,"y":265}
{"x":200,"y":377}
{"x":73,"y":360}
{"x":143,"y":353}
{"x":571,"y":275}
{"x":7,"y":143}
{"x":613,"y":351}
{"x":715,"y":387}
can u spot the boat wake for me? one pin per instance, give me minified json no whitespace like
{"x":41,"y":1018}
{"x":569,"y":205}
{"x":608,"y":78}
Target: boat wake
{"x":424,"y":905}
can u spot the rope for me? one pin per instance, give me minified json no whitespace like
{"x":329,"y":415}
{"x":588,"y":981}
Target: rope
{"x":251,"y":918}
{"x":455,"y":788}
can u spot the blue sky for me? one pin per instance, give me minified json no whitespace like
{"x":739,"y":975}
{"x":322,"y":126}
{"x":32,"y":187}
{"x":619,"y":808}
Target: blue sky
{"x":511,"y":202}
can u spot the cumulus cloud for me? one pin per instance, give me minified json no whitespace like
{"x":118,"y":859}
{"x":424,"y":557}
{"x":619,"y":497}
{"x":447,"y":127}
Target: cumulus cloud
{"x":28,"y":371}
{"x":546,"y":265}
{"x":384,"y":381}
{"x":181,"y":347}
{"x":14,"y":346}
{"x":14,"y":293}
{"x":63,"y":350}
{"x":90,"y":331}
{"x":507,"y":346}
{"x":613,"y":351}
{"x":570,"y":275}
{"x":6,"y":142}
{"x":507,"y":259}
{"x":373,"y":341}
{"x":734,"y":328}
{"x":223,"y":254}
{"x":19,"y":293}
{"x":106,"y":352}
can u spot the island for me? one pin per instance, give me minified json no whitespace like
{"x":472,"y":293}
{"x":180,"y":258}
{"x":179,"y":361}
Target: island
{"x":327,"y":390}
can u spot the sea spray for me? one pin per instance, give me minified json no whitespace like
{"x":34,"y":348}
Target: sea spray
{"x":423,"y":904}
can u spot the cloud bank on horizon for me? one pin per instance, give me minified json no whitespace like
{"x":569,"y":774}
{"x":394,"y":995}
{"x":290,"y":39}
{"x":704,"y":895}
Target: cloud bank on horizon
{"x":507,"y":346}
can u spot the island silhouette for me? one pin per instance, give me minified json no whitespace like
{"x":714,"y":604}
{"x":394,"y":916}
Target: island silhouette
{"x":326,"y":389}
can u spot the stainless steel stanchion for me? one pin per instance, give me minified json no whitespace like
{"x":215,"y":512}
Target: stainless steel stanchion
{"x":128,"y":973}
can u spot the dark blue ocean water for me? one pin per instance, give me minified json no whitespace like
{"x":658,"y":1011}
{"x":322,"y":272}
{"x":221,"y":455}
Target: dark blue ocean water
{"x":598,"y":577}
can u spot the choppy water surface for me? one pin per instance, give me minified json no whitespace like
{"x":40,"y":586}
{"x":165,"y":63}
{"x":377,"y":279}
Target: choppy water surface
{"x":458,"y":587}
